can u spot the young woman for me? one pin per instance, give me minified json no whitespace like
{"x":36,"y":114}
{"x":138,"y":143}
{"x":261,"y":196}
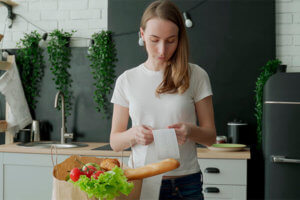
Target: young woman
{"x":166,"y":91}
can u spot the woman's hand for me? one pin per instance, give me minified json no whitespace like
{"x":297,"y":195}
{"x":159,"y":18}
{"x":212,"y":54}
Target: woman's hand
{"x":143,"y":134}
{"x":182,"y":132}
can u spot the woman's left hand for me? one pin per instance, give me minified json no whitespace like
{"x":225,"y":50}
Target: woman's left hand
{"x":182,"y":132}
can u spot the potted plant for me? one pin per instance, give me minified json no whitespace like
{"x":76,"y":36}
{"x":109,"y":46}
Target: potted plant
{"x":31,"y":66}
{"x":266,"y":71}
{"x":102,"y":55}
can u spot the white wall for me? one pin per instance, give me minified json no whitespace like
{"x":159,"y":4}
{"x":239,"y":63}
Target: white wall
{"x":84,"y":16}
{"x":288,"y":33}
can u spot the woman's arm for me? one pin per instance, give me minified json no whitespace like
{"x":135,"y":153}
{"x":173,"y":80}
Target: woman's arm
{"x":205,"y":133}
{"x":120,"y":137}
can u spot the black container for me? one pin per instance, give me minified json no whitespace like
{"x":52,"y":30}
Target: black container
{"x":24,"y":135}
{"x":237,"y":132}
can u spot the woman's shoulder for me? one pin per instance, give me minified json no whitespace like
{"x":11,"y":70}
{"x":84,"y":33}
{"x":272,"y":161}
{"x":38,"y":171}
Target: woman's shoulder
{"x":196,"y":70}
{"x":130,"y":73}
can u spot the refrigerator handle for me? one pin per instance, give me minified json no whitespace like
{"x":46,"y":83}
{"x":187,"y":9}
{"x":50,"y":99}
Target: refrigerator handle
{"x":282,"y":159}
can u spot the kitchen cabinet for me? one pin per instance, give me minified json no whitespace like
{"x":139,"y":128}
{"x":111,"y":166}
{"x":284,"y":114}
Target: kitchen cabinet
{"x":224,"y":178}
{"x":26,"y":173}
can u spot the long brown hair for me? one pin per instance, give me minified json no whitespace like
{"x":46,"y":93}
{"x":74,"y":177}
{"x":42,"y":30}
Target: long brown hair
{"x":176,"y":75}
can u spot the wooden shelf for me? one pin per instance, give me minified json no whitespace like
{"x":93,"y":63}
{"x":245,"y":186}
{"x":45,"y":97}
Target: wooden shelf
{"x":3,"y":125}
{"x":9,"y":2}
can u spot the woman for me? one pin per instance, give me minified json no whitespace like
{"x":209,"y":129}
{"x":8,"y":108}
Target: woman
{"x":165,"y":92}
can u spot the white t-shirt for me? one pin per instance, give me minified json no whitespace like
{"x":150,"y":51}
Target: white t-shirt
{"x":135,"y":89}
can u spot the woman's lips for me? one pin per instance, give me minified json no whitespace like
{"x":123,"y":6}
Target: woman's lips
{"x":161,"y":58}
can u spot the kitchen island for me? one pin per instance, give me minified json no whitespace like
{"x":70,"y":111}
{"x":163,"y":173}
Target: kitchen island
{"x":26,"y":172}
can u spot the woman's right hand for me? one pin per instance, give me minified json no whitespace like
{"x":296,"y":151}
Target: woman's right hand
{"x":143,"y":134}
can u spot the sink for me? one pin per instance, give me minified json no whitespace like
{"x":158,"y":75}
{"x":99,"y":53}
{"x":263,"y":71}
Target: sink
{"x":48,"y":144}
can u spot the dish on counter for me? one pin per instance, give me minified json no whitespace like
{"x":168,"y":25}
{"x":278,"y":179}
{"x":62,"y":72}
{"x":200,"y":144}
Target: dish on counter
{"x":227,"y":147}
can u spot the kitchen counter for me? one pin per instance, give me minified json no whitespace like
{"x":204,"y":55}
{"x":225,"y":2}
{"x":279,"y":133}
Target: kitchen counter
{"x":87,"y":151}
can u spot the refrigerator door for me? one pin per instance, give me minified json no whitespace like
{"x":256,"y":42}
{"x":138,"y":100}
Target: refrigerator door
{"x":282,"y":151}
{"x":281,"y":136}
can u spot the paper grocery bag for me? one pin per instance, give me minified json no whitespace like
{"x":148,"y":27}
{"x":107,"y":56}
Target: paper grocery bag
{"x":63,"y":190}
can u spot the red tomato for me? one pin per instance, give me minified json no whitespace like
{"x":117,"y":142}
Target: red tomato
{"x":97,"y":173}
{"x":89,"y":170}
{"x":75,"y":174}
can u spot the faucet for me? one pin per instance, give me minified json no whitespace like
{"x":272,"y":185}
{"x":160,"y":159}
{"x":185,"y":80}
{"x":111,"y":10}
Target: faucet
{"x":63,"y":131}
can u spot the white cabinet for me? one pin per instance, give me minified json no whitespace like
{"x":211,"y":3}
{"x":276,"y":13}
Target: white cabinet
{"x":224,"y":178}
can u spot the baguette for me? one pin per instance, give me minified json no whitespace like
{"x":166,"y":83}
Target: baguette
{"x":151,"y":169}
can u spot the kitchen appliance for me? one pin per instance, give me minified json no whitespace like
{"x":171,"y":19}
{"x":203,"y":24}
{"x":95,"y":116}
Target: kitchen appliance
{"x":24,"y":135}
{"x":237,"y":131}
{"x":281,"y":136}
{"x":35,"y":131}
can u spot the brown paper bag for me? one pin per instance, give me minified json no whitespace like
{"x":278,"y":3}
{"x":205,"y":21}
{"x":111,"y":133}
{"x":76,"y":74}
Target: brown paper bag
{"x":63,"y":190}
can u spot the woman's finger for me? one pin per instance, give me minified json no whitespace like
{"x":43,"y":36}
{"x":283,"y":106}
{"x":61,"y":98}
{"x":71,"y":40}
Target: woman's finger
{"x":148,"y":127}
{"x":174,"y":126}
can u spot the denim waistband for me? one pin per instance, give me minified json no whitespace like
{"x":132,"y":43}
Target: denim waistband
{"x":183,"y":178}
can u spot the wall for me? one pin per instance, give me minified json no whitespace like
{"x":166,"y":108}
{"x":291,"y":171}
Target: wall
{"x":288,"y":33}
{"x":85,"y":16}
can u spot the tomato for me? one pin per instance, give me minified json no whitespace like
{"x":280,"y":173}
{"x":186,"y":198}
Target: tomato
{"x":89,"y":170}
{"x":97,"y":173}
{"x":75,"y":174}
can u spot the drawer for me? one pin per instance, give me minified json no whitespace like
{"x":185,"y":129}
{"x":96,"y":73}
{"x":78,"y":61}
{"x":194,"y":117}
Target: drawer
{"x":224,"y":171}
{"x":217,"y":192}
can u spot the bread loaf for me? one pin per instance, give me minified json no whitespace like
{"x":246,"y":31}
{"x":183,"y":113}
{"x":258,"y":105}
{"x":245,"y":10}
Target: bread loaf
{"x":152,"y":169}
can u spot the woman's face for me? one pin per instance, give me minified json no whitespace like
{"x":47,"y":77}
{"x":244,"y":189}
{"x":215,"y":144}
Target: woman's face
{"x":161,"y":39}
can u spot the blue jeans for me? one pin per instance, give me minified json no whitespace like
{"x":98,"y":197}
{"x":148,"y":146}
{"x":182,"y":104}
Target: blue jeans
{"x":188,"y":188}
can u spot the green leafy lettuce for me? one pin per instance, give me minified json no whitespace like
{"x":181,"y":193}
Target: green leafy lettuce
{"x":108,"y":185}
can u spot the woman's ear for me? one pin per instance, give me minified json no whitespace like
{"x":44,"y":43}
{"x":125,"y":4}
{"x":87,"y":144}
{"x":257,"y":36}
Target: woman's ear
{"x":141,"y":37}
{"x":142,"y":33}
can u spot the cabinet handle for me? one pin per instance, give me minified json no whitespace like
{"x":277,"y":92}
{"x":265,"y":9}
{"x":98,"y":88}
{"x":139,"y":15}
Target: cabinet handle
{"x":211,"y":190}
{"x":212,"y":170}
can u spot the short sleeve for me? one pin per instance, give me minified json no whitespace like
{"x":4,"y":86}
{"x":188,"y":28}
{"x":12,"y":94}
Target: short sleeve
{"x":119,"y":95}
{"x":200,"y":83}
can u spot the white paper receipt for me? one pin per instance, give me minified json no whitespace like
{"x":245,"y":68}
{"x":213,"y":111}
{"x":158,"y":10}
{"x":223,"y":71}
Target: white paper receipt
{"x":166,"y":144}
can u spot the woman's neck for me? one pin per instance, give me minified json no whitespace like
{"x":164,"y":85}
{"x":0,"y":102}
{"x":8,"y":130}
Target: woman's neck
{"x":154,"y":66}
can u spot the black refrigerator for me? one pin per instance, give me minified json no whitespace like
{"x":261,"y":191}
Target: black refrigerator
{"x":281,"y":136}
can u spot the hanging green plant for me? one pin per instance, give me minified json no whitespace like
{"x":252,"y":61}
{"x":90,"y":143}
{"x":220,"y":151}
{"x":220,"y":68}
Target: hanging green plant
{"x":266,"y":71}
{"x":59,"y":56}
{"x":31,"y":66}
{"x":102,"y":55}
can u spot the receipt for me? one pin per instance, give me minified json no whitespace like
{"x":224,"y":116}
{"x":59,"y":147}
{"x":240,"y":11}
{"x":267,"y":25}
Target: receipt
{"x":165,"y":145}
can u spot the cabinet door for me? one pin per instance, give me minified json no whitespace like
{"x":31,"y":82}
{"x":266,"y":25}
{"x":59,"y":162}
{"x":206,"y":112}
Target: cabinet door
{"x":224,"y":171}
{"x":27,"y":176}
{"x":217,"y":192}
{"x":24,"y":182}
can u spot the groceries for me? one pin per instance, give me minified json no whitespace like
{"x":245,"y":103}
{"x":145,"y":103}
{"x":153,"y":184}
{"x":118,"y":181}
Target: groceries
{"x":86,"y":178}
{"x":101,"y":183}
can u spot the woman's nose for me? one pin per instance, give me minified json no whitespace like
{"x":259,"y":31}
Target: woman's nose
{"x":162,"y":48}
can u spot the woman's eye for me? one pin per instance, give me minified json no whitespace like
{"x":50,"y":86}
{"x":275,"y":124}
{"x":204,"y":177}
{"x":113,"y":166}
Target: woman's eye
{"x":154,"y":41}
{"x":171,"y":41}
